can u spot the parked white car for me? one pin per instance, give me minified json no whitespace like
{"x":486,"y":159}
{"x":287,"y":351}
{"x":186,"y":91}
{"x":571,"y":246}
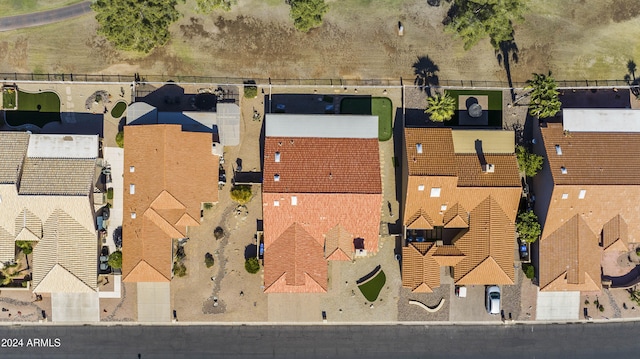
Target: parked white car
{"x":493,"y":299}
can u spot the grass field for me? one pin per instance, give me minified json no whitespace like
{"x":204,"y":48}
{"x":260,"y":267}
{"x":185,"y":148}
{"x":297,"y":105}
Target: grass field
{"x":18,"y":7}
{"x":118,"y":109}
{"x":494,"y":100}
{"x":587,"y":39}
{"x":376,"y":106}
{"x":36,"y":109}
{"x":371,"y":288}
{"x":8,"y":98}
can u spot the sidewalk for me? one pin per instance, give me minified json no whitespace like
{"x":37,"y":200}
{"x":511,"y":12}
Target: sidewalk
{"x":114,"y":156}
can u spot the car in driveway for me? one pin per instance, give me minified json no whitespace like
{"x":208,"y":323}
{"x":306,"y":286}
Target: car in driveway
{"x":493,"y":299}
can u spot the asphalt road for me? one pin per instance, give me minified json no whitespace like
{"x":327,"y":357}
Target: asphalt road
{"x":44,"y":17}
{"x":584,"y":341}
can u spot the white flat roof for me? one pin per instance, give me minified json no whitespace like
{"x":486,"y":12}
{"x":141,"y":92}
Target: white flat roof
{"x":601,"y":120}
{"x":63,"y":146}
{"x":322,"y":126}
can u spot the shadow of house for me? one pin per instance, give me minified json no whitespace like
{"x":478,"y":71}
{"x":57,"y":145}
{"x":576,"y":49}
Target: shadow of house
{"x":595,"y":98}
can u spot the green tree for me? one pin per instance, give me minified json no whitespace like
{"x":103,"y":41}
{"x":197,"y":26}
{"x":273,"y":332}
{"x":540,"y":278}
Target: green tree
{"x":241,"y":194}
{"x":441,"y":107}
{"x":208,"y":260}
{"x":252,"y":265}
{"x":473,"y":20}
{"x":250,"y":91}
{"x":140,"y":25}
{"x":528,"y":162}
{"x":307,"y":14}
{"x":529,"y":270}
{"x":209,"y":6}
{"x":528,"y":227}
{"x":545,"y":101}
{"x":115,"y":260}
{"x":25,"y":246}
{"x":120,"y":139}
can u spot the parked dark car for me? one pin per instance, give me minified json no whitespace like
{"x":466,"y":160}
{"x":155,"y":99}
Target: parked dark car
{"x":104,"y":260}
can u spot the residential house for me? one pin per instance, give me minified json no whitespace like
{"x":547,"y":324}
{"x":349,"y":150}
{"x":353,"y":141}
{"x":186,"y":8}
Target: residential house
{"x":321,"y":196}
{"x":461,"y":193}
{"x":46,"y":197}
{"x":587,"y":195}
{"x":168,"y":175}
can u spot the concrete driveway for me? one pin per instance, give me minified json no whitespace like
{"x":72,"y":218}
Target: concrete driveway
{"x":558,"y":306}
{"x":75,"y":307}
{"x":472,"y":308}
{"x":154,"y":302}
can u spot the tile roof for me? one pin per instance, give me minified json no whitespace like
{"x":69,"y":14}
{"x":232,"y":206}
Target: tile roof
{"x":321,"y":165}
{"x":456,"y":217}
{"x":57,"y":176}
{"x":60,"y":280}
{"x":295,"y":263}
{"x":174,"y":173}
{"x":67,"y":244}
{"x":339,"y":244}
{"x":615,"y":231}
{"x":13,"y":147}
{"x":596,"y":158}
{"x":470,"y":173}
{"x":570,"y":258}
{"x":448,"y":255}
{"x":7,"y":246}
{"x":437,"y":157}
{"x":420,"y":270}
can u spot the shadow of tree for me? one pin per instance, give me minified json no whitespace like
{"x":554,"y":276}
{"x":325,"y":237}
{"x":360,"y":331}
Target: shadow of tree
{"x":250,"y":251}
{"x":508,"y":52}
{"x":426,"y":74}
{"x":631,"y":79}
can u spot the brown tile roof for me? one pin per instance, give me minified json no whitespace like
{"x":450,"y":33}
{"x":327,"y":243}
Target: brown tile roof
{"x":420,"y":271}
{"x":570,"y":258}
{"x":322,"y":165}
{"x":448,"y":255}
{"x":456,"y":217}
{"x":339,"y":244}
{"x":470,"y":172}
{"x":295,"y":263}
{"x":57,"y":176}
{"x":437,"y":157}
{"x":173,"y":173}
{"x":488,"y":247}
{"x":420,"y":220}
{"x":615,"y":231}
{"x":13,"y":149}
{"x":596,"y":158}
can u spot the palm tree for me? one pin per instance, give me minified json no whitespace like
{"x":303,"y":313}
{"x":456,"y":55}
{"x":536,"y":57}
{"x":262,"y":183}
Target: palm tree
{"x":440,"y":107}
{"x":545,"y":101}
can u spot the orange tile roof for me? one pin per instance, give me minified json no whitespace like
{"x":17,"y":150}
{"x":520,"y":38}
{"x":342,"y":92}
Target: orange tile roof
{"x":420,"y":271}
{"x":295,"y":263}
{"x":321,"y":165}
{"x":470,"y":172}
{"x":339,"y":244}
{"x":596,"y":158}
{"x":456,"y":217}
{"x":173,"y":173}
{"x":615,"y":231}
{"x":570,"y":258}
{"x":437,"y":157}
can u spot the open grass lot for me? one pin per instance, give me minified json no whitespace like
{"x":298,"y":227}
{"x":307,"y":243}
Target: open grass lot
{"x":18,"y":7}
{"x":35,"y":108}
{"x":587,"y":39}
{"x":377,"y":106}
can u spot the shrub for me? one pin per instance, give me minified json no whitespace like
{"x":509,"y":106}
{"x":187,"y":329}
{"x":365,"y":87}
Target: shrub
{"x":601,"y":308}
{"x":208,"y":260}
{"x":115,"y":260}
{"x":218,"y":232}
{"x":250,"y":91}
{"x":120,"y":139}
{"x":207,"y":205}
{"x":638,"y":251}
{"x":25,"y":246}
{"x":110,"y":193}
{"x":586,"y":302}
{"x":180,"y":253}
{"x":252,"y":265}
{"x":529,"y":270}
{"x":241,"y":194}
{"x":179,"y":269}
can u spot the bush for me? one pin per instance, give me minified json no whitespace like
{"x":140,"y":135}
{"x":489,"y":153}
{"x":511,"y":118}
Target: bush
{"x":207,"y":205}
{"x":208,"y":260}
{"x":307,"y":14}
{"x":252,"y":265}
{"x":528,"y":162}
{"x":179,"y":269}
{"x":529,"y":270}
{"x":601,"y":308}
{"x":218,"y":232}
{"x":241,"y":194}
{"x":638,"y":251}
{"x":110,"y":193}
{"x":120,"y":139}
{"x":115,"y":260}
{"x":25,"y":246}
{"x":250,"y":91}
{"x":528,"y":227}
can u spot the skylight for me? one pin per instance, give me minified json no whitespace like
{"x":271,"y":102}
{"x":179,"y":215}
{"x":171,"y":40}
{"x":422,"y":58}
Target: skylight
{"x":558,"y":150}
{"x":419,"y":147}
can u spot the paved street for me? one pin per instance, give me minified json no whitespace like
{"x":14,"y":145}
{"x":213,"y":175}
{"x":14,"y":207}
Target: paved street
{"x":44,"y":17}
{"x":615,"y":340}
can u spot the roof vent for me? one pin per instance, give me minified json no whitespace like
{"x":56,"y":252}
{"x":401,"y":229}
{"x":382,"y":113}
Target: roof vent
{"x":280,"y":143}
{"x":277,"y":156}
{"x":276,"y":177}
{"x":563,"y":170}
{"x":488,"y":168}
{"x":558,"y":150}
{"x":291,"y":142}
{"x":419,"y":147}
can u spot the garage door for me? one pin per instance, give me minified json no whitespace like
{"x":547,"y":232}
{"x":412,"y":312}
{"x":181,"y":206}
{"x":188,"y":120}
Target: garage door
{"x":558,"y":306}
{"x":154,"y":302}
{"x":75,"y":307}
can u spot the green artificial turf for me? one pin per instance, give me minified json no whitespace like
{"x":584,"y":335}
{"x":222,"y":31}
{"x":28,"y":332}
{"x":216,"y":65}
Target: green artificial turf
{"x":371,"y":288}
{"x":36,"y":109}
{"x":118,"y":109}
{"x":376,"y":106}
{"x":494,"y":99}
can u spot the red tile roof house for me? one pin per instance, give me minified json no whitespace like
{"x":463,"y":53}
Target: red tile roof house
{"x":322,"y":192}
{"x":587,"y":195}
{"x":462,"y":190}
